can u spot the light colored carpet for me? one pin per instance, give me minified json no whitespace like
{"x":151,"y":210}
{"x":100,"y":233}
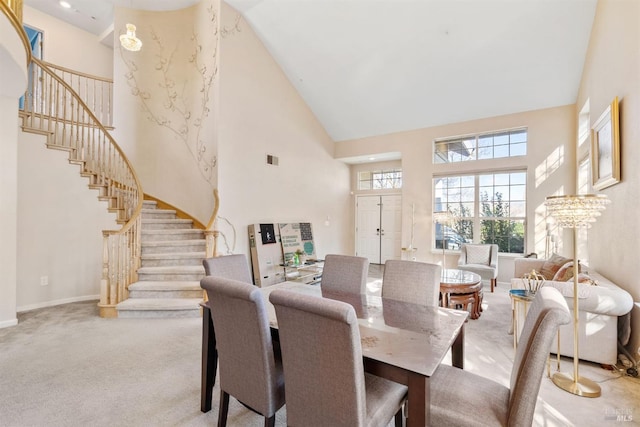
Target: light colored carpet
{"x":65,"y":366}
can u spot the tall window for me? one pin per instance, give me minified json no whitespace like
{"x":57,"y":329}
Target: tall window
{"x":494,"y":145}
{"x":379,"y":180}
{"x":488,"y":208}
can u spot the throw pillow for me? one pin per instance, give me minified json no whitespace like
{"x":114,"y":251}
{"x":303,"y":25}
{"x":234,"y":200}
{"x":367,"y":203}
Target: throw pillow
{"x":585,"y":278}
{"x":565,"y":273}
{"x":478,"y":254}
{"x":552,"y":265}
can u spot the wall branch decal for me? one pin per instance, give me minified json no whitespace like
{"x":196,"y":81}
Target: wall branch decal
{"x":181,"y":102}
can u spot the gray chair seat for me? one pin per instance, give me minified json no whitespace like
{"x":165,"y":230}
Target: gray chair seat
{"x":381,"y":395}
{"x":461,"y":398}
{"x":249,"y":369}
{"x":485,"y":401}
{"x":324,"y":369}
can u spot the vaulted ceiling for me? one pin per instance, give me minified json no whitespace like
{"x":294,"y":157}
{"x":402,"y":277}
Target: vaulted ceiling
{"x":381,"y":66}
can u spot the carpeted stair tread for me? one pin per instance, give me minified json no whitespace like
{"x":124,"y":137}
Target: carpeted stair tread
{"x":176,"y":269}
{"x":174,"y":255}
{"x":173,"y":242}
{"x":193,"y":285}
{"x":173,"y":231}
{"x":165,"y":304}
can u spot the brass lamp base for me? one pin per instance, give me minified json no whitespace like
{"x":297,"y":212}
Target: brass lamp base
{"x":583,"y":387}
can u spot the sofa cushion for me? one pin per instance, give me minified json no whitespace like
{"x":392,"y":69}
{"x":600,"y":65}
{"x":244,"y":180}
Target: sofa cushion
{"x":566,"y":272}
{"x":479,"y":254}
{"x":552,"y":265}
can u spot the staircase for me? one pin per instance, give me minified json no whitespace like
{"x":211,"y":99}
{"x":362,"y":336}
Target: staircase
{"x":171,"y":267}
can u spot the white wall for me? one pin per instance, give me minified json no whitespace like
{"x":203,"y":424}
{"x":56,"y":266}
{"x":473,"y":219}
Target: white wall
{"x":260,"y":114}
{"x":60,"y":223}
{"x":8,"y":208}
{"x":612,"y":68}
{"x":549,"y":163}
{"x":70,"y":46}
{"x":13,"y":69}
{"x":165,"y":111}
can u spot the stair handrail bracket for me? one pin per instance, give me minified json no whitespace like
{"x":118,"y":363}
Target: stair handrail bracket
{"x":54,"y":109}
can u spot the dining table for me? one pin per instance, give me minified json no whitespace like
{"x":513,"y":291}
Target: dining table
{"x":401,"y":341}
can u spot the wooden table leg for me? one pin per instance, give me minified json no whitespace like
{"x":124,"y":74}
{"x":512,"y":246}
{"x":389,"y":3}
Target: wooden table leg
{"x":418,"y":401}
{"x":457,"y":350}
{"x":209,"y":359}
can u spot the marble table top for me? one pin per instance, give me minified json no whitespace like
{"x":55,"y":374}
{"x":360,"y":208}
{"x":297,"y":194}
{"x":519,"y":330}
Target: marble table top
{"x":409,"y":336}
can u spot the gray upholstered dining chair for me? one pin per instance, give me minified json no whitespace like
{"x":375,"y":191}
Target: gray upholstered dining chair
{"x":248,"y":369}
{"x":480,"y":259}
{"x":411,"y":281}
{"x":461,"y":398}
{"x":345,"y":273}
{"x":324,"y":368}
{"x":233,"y":267}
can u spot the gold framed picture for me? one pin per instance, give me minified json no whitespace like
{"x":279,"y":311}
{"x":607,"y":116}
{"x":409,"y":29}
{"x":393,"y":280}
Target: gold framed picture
{"x":605,"y":148}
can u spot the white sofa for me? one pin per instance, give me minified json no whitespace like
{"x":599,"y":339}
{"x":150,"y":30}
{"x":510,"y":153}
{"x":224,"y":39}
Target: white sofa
{"x":599,"y":306}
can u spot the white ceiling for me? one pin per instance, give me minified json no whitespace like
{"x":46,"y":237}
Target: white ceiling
{"x":373,"y":67}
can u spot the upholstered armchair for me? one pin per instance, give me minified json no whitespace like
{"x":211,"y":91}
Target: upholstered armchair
{"x":480,"y":259}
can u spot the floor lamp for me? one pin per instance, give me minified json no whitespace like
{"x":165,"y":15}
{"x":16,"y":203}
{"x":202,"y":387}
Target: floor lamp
{"x":443,"y":218}
{"x":576,"y":212}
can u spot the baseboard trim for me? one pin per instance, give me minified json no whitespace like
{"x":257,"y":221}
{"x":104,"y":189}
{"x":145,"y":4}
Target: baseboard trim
{"x":8,"y":323}
{"x":57,"y":302}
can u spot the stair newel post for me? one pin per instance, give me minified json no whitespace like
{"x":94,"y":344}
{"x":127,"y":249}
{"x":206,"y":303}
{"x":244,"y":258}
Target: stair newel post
{"x":104,"y":281}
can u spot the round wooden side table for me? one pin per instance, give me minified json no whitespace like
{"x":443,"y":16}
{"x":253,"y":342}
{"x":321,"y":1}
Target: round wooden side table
{"x":461,"y":288}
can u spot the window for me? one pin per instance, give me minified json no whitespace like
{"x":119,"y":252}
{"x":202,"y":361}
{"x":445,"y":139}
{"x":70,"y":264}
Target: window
{"x":377,"y":180}
{"x":487,"y":208}
{"x":495,"y":145}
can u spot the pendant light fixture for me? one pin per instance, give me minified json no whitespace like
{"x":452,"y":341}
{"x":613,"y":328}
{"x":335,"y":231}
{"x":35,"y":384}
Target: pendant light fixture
{"x":129,"y":40}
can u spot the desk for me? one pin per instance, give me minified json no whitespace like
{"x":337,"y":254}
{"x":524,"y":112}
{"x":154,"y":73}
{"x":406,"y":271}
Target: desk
{"x":461,"y":287}
{"x":402,"y":342}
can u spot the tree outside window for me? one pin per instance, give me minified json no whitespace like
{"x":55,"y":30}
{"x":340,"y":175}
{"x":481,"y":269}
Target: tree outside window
{"x":488,"y":208}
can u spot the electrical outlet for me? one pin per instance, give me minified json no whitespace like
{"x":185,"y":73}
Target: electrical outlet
{"x":44,"y":281}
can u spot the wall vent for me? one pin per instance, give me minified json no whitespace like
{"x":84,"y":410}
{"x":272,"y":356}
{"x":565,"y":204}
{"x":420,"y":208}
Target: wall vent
{"x":272,"y":160}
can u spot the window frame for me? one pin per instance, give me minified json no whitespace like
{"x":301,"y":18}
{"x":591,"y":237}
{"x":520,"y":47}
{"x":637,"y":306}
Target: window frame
{"x":476,"y":218}
{"x":391,"y":171}
{"x":475,"y":144}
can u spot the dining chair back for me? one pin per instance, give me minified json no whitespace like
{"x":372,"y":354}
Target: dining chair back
{"x":248,"y":370}
{"x":489,"y":403}
{"x":411,"y":281}
{"x":547,"y":313}
{"x":345,"y":273}
{"x":324,"y":368}
{"x":229,"y":266}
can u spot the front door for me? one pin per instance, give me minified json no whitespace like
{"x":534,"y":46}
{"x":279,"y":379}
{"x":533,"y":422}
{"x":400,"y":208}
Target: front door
{"x":379,"y":227}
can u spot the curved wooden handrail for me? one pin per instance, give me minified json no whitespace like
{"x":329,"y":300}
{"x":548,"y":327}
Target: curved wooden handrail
{"x":95,"y":91}
{"x":211,"y":235}
{"x":53,"y":108}
{"x":179,"y":212}
{"x":14,"y":13}
{"x":75,"y":72}
{"x":216,"y":201}
{"x":99,"y":125}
